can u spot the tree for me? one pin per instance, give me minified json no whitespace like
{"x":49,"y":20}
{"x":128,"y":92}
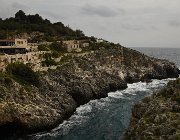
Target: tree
{"x":20,"y":16}
{"x":92,"y":38}
{"x":56,"y":46}
{"x":35,"y":19}
{"x":79,"y":33}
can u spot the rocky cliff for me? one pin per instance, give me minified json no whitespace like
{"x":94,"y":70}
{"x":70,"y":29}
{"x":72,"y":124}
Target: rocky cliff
{"x":29,"y":109}
{"x":157,"y":117}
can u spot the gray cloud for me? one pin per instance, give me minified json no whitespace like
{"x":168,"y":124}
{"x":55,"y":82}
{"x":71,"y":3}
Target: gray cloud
{"x":174,"y":23}
{"x":18,"y":6}
{"x":52,"y":15}
{"x":134,"y":27}
{"x":102,"y":11}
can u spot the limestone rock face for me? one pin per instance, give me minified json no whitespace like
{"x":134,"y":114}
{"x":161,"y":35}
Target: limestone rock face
{"x":28,"y":109}
{"x":31,"y":109}
{"x":157,"y":117}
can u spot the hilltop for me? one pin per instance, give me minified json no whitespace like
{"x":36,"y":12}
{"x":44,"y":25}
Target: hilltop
{"x":37,"y":28}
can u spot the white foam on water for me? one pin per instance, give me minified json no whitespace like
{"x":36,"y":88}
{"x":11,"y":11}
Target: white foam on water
{"x":99,"y":103}
{"x":140,"y":86}
{"x":117,"y":94}
{"x":80,"y":116}
{"x":84,"y":109}
{"x":158,"y":83}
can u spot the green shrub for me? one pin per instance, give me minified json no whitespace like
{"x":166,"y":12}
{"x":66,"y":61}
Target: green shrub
{"x":65,"y":59}
{"x":55,"y":54}
{"x":58,"y":47}
{"x":49,"y":62}
{"x":23,"y":73}
{"x":47,"y":55}
{"x":176,"y":97}
{"x":7,"y":80}
{"x":6,"y":77}
{"x":43,"y":48}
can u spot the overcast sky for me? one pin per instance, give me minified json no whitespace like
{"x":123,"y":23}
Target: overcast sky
{"x":132,"y":23}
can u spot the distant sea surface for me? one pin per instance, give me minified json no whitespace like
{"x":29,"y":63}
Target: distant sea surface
{"x":172,"y":54}
{"x":108,"y":118}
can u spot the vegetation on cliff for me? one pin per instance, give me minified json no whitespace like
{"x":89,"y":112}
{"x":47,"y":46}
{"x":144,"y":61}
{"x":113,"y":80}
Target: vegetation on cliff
{"x":48,"y":60}
{"x":21,"y":73}
{"x":157,"y":117}
{"x":48,"y":31}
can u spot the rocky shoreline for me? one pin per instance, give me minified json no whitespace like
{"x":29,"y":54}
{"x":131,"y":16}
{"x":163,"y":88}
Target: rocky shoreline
{"x":30,"y":109}
{"x":157,"y":117}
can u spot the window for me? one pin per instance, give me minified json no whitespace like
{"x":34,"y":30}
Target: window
{"x":19,"y":42}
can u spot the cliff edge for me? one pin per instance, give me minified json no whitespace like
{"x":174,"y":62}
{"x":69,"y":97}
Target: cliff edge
{"x":28,"y":109}
{"x":157,"y":116}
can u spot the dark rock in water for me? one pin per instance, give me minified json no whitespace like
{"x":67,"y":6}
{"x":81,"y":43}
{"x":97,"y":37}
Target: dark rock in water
{"x":157,"y":117}
{"x":28,"y":109}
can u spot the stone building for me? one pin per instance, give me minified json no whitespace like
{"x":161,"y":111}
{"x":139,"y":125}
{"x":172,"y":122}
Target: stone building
{"x":21,"y":42}
{"x":71,"y":45}
{"x":84,"y":43}
{"x":99,"y":40}
{"x":75,"y":45}
{"x":15,"y":46}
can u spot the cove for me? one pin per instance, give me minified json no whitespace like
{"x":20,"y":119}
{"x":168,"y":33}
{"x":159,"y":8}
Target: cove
{"x":102,"y":119}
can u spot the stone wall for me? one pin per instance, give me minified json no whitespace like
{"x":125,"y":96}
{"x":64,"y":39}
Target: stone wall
{"x":32,"y":58}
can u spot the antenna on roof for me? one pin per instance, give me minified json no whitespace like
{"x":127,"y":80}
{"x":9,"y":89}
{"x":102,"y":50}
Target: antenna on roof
{"x":7,"y":34}
{"x":122,"y":55}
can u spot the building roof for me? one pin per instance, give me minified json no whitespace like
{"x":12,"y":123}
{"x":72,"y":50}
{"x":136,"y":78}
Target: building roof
{"x":7,"y":40}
